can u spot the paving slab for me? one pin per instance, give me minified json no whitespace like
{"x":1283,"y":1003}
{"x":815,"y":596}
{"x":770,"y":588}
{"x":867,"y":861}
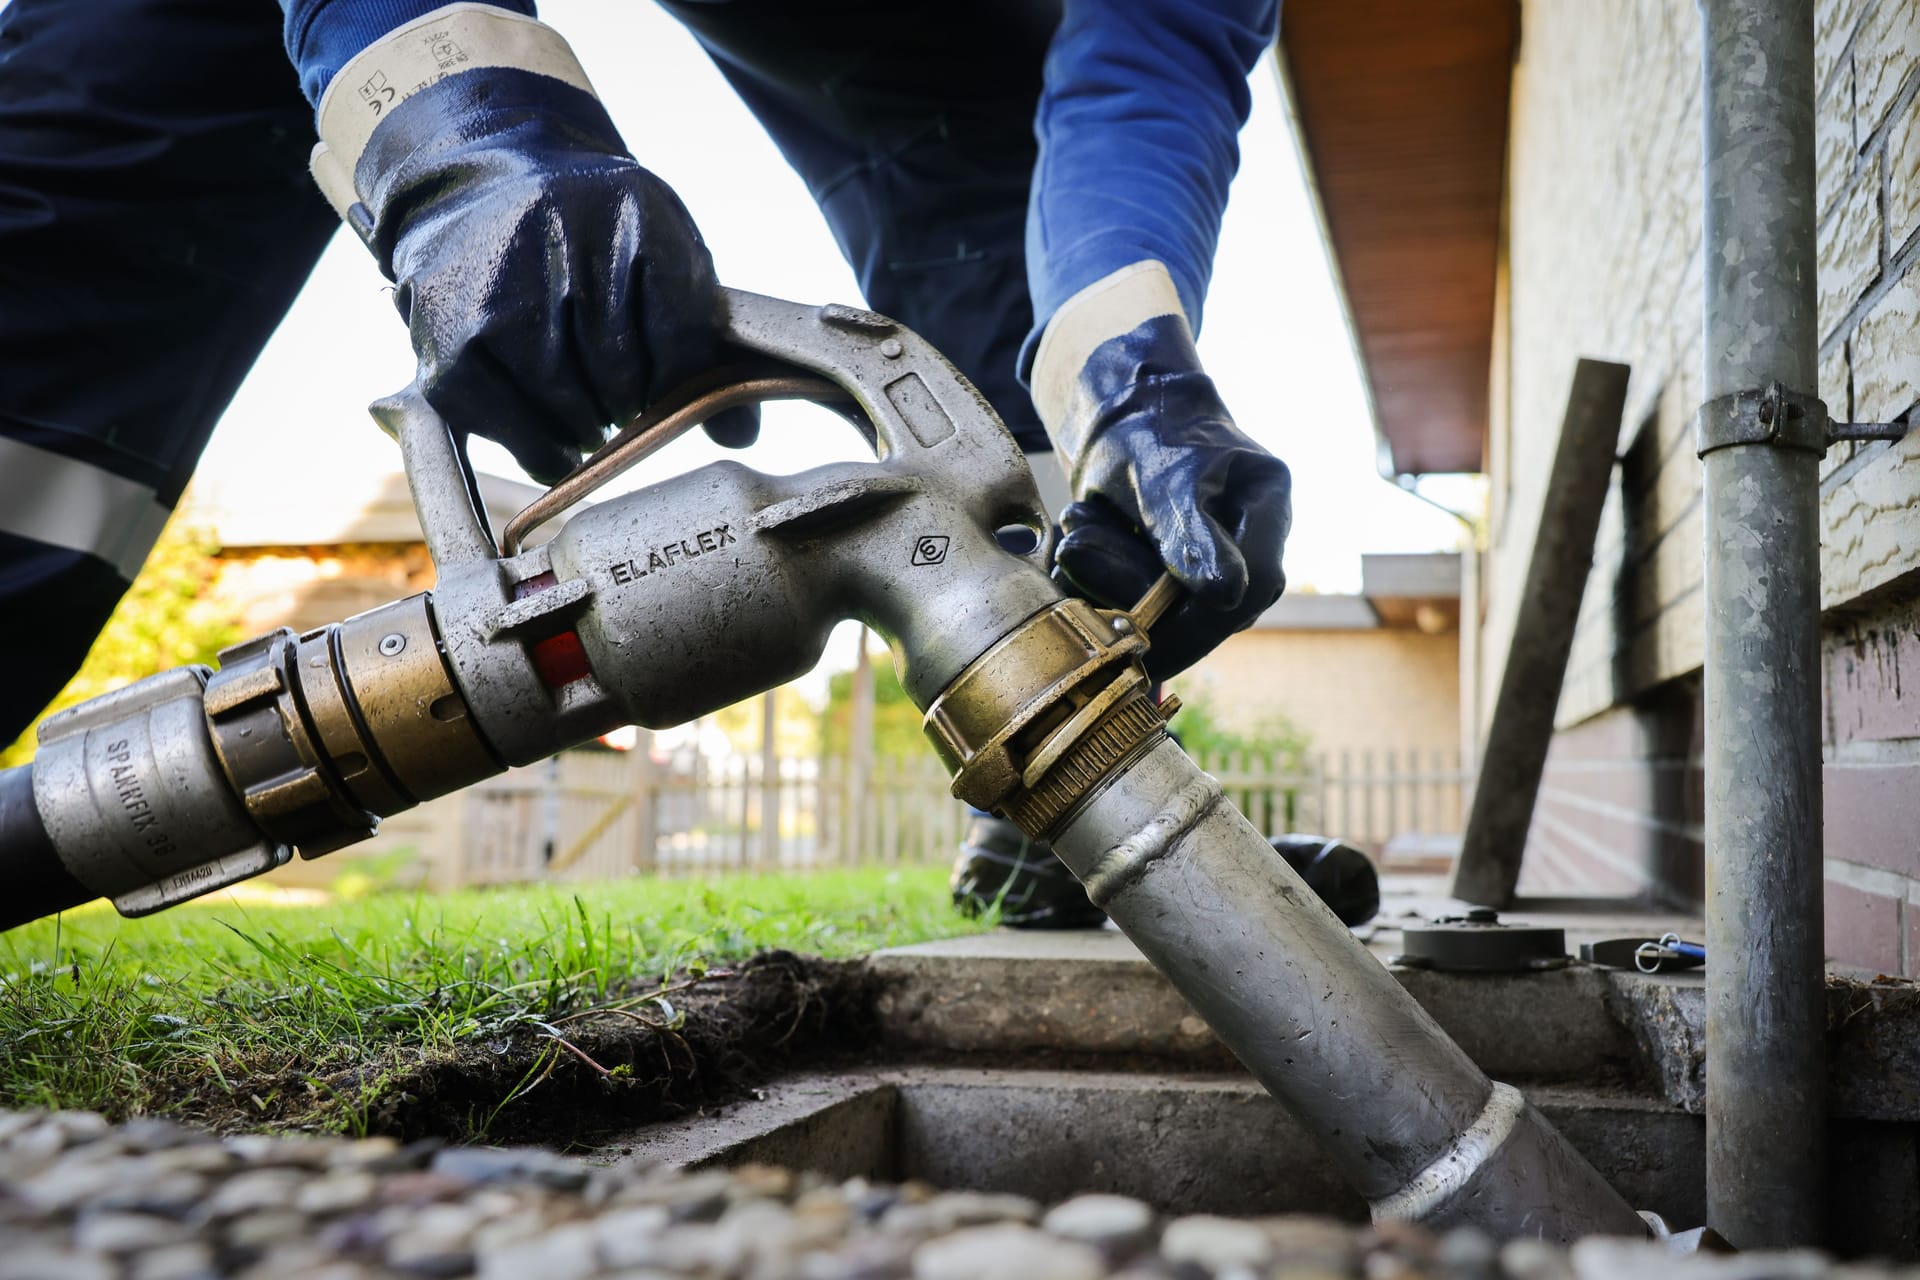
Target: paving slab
{"x":1408,"y":899}
{"x":1091,"y":991}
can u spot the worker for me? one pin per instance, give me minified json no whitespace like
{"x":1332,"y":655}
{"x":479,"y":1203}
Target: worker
{"x":1037,"y":189}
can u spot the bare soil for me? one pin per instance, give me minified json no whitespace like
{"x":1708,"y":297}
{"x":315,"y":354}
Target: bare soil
{"x":568,"y":1087}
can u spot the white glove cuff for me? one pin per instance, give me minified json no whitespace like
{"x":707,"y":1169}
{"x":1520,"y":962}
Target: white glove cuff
{"x":451,"y":39}
{"x":1110,"y":306}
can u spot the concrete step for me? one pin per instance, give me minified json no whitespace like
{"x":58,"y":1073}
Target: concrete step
{"x":1009,"y":994}
{"x":1053,"y":1063}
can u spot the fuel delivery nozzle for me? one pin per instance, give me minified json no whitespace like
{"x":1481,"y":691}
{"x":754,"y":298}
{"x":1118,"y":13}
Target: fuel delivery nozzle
{"x":651,"y":608}
{"x":684,"y":597}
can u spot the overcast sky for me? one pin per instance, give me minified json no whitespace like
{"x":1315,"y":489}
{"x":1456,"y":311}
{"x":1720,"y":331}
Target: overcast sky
{"x":1274,"y":339}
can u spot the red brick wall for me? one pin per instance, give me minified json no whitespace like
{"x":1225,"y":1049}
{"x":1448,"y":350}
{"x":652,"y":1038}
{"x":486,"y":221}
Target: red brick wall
{"x":1620,"y":806}
{"x":1871,"y":668}
{"x":1604,"y":206}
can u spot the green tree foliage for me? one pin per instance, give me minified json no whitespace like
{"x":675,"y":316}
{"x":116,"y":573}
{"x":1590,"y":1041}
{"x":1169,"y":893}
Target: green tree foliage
{"x":794,"y":723}
{"x":162,"y":622}
{"x":1271,"y":745}
{"x":896,"y":721}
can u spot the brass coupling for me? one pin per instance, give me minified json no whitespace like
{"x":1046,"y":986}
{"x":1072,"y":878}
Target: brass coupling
{"x":1037,"y":723}
{"x":321,"y":735}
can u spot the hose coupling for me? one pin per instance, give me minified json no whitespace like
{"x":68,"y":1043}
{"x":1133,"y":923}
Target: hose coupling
{"x":135,"y":803}
{"x":1038,"y":723}
{"x":192,"y":780}
{"x":323,"y":734}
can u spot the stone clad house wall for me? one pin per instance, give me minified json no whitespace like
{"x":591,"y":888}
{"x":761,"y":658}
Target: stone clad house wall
{"x":1603,"y":259}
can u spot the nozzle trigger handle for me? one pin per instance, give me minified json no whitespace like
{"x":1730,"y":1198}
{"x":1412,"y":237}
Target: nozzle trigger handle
{"x":911,"y":396}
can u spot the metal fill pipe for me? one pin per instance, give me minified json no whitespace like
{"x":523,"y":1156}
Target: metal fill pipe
{"x":1766,"y":1067}
{"x":1411,"y":1122}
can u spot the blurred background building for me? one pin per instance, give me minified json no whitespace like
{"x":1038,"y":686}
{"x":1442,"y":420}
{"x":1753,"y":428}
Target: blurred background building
{"x":1508,"y":187}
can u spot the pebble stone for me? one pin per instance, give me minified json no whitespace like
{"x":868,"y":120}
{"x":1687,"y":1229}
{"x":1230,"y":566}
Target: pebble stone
{"x":173,"y":1262}
{"x":1316,"y":1245}
{"x":81,"y":1199}
{"x":1116,"y":1225}
{"x":336,"y":1192}
{"x":111,"y":1232}
{"x":1217,"y":1244}
{"x":1006,"y":1251}
{"x":255,"y":1189}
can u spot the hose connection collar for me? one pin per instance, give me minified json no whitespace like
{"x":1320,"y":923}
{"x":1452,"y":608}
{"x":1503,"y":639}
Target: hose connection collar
{"x":1040,"y":721}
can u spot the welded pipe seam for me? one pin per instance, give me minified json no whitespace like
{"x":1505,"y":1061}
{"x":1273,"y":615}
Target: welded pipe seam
{"x":1127,"y":861}
{"x":1459,"y":1164}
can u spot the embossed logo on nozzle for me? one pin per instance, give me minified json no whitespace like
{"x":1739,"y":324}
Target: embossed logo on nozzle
{"x":691,"y":547}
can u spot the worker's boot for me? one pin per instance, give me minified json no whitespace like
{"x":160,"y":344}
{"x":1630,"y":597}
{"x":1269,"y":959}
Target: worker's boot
{"x":1000,"y":867}
{"x":1339,"y":874}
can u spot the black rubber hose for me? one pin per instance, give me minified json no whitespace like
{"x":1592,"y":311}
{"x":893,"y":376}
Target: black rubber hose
{"x":33,"y":880}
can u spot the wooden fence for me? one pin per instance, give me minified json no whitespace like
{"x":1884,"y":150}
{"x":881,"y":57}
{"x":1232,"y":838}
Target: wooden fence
{"x":709,"y":817}
{"x":1378,"y":800}
{"x":600,"y":815}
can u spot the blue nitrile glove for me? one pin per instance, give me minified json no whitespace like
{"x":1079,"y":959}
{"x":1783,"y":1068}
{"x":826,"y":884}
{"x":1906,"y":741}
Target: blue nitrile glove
{"x":1162,"y":479}
{"x":551,"y":285}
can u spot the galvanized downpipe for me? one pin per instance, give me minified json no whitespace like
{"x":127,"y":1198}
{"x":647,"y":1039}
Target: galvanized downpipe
{"x":1761,"y":436}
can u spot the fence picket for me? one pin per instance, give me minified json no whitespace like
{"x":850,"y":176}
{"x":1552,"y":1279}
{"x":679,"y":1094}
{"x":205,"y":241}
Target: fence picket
{"x":591,"y":815}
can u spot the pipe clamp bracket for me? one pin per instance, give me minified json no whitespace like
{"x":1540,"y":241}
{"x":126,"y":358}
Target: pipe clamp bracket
{"x":1772,"y":416}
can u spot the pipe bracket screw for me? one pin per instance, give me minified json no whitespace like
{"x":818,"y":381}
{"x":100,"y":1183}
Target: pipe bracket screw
{"x":392,"y":644}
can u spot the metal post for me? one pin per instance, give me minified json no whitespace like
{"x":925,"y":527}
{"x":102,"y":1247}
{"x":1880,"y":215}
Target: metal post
{"x":1761,"y":438}
{"x":1518,"y":737}
{"x":769,"y":854}
{"x":860,"y":757}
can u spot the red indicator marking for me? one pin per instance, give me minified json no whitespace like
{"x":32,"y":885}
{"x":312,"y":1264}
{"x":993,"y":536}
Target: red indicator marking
{"x":558,"y":660}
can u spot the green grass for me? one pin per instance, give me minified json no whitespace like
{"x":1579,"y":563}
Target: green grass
{"x":216,"y":1003}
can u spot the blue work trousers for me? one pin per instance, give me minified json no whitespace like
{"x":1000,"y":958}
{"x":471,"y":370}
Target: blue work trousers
{"x":156,"y":221}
